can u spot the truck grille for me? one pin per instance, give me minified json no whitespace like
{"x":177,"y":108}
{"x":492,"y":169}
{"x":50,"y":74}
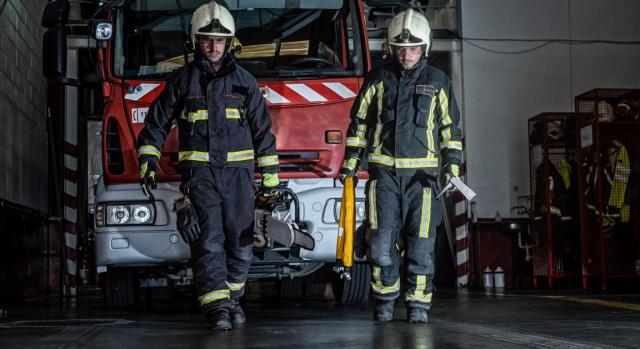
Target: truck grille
{"x":298,"y":161}
{"x":115,"y":162}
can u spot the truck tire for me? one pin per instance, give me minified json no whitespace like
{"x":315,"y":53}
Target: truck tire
{"x":355,"y":290}
{"x":290,"y":288}
{"x":120,"y":288}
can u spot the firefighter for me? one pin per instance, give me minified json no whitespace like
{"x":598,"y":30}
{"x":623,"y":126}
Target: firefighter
{"x":223,"y":126}
{"x":405,"y":120}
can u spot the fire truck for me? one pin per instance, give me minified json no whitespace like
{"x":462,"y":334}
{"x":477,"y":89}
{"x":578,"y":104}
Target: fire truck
{"x":309,"y":58}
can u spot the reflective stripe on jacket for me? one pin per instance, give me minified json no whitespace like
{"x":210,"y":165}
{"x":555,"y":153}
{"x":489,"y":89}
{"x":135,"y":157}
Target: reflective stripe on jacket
{"x":221,"y":115}
{"x":407,"y":120}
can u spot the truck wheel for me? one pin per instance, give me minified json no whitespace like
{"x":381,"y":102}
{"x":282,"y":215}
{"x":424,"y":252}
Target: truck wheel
{"x":120,"y":288}
{"x":290,"y":288}
{"x":355,"y":290}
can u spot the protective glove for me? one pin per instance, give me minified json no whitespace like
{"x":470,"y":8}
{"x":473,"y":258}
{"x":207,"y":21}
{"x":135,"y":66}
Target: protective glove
{"x":187,"y":223}
{"x":270,"y":181}
{"x":349,"y":169}
{"x":148,"y":170}
{"x":451,"y":172}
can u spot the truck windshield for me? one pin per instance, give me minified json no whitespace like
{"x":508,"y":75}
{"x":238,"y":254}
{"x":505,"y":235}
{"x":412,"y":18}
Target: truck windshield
{"x":278,"y":39}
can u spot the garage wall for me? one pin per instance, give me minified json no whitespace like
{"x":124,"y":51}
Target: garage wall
{"x":23,"y":137}
{"x":501,"y":91}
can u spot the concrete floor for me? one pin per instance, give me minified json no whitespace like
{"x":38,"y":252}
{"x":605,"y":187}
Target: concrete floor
{"x":458,"y":320}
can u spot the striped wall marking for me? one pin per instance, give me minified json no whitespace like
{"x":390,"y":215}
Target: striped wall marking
{"x":70,"y":208}
{"x":306,"y":92}
{"x":275,"y":98}
{"x":340,"y":89}
{"x":140,"y":91}
{"x":462,"y":234}
{"x":612,"y":304}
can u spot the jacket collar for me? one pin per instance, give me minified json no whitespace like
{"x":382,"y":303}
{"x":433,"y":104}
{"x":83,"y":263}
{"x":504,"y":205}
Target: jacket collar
{"x":412,"y":73}
{"x":228,"y":65}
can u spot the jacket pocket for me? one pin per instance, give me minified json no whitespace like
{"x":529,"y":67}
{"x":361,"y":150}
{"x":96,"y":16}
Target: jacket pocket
{"x":196,"y":117}
{"x":423,"y":105}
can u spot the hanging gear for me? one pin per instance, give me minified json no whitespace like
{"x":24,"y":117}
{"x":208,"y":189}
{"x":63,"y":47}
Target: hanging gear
{"x":212,"y":19}
{"x":617,"y":173}
{"x":409,"y":28}
{"x":187,"y":223}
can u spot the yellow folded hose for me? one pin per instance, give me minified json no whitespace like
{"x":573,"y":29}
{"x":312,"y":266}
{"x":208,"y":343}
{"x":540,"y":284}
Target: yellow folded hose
{"x":347,"y":225}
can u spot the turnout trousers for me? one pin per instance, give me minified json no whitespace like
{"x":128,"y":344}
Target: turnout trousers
{"x":402,"y":213}
{"x":224,"y":201}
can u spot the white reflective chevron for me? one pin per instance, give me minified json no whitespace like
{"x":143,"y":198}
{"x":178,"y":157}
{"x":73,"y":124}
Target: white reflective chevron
{"x":340,"y":89}
{"x":275,"y":98}
{"x":306,"y":92}
{"x":140,"y":91}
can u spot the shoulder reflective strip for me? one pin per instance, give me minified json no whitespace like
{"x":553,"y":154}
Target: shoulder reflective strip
{"x":381,"y":159}
{"x":379,"y":288}
{"x":444,"y":104}
{"x":270,"y":160}
{"x":275,"y":98}
{"x":364,"y":102}
{"x":430,"y":126}
{"x":416,"y":162}
{"x":140,"y":91}
{"x":241,"y":155}
{"x":340,"y":89}
{"x":148,"y":150}
{"x":213,"y":296}
{"x":373,"y":213}
{"x":198,"y":115}
{"x":452,"y":145}
{"x":232,"y":113}
{"x":425,"y":215}
{"x":356,"y":142}
{"x":234,"y":286}
{"x":193,"y":156}
{"x":306,"y":92}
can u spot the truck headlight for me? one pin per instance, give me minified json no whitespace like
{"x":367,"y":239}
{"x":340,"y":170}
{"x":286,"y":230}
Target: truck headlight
{"x":125,"y":214}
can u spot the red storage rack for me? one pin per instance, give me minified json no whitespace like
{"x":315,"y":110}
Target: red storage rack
{"x":610,"y":176}
{"x":554,"y":173}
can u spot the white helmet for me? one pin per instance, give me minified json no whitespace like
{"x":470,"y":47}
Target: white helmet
{"x":211,"y":20}
{"x":409,"y":28}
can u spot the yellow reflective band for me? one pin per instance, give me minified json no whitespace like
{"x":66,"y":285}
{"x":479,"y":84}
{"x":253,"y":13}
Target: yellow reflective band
{"x":457,"y":145}
{"x":270,"y":160}
{"x":148,"y":150}
{"x":425,"y":298}
{"x":430,"y":127}
{"x":373,"y":215}
{"x":444,"y":105}
{"x":418,"y":294}
{"x":381,"y":159}
{"x":425,"y":215}
{"x":376,"y":138}
{"x":379,"y":288}
{"x":361,"y":130}
{"x":235,"y":286}
{"x":380,"y":94}
{"x":416,"y":162}
{"x":213,"y":296}
{"x":365,"y":102}
{"x":240,"y":155}
{"x":356,"y":142}
{"x":232,"y":113}
{"x":193,"y":156}
{"x":454,"y":170}
{"x":198,"y":115}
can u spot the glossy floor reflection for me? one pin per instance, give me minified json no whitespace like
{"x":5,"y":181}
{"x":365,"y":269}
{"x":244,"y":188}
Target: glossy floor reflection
{"x":458,"y":320}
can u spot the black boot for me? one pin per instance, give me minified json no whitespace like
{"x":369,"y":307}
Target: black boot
{"x":417,"y":315}
{"x":384,"y":310}
{"x":236,"y":312}
{"x":219,"y":319}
